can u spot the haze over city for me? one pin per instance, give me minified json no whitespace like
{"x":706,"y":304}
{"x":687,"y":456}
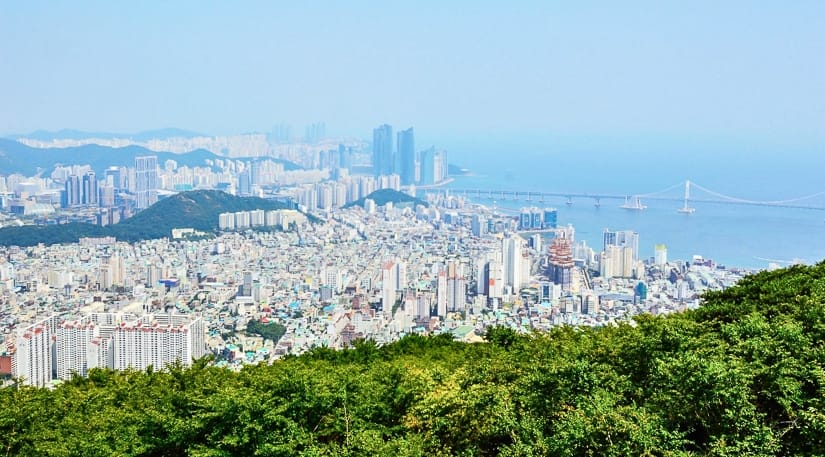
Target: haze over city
{"x":736,"y":71}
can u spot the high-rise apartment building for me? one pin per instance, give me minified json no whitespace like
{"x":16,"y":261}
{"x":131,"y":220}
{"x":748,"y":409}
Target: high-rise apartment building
{"x":427,"y":166}
{"x":660,"y":255}
{"x":244,"y":183}
{"x":616,"y":261}
{"x":550,"y":219}
{"x":406,"y":156}
{"x":90,"y":192}
{"x":441,"y":293}
{"x":389,"y":285}
{"x":112,"y":176}
{"x":146,"y":181}
{"x":33,"y":353}
{"x":72,"y":347}
{"x":383,"y":161}
{"x":623,"y":238}
{"x":158,"y":340}
{"x":107,"y":196}
{"x":72,"y":192}
{"x":433,"y":166}
{"x":516,"y":262}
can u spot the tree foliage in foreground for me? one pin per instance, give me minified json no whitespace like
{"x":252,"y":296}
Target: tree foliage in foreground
{"x":742,"y":375}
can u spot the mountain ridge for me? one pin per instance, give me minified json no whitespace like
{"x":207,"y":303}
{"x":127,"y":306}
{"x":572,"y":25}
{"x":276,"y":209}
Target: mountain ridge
{"x":16,"y":157}
{"x":73,"y":134}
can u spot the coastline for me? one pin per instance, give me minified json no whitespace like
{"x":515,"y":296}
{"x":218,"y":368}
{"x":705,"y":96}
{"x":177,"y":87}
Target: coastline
{"x":436,"y":185}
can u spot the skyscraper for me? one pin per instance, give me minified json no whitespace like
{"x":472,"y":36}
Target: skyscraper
{"x":382,"y":156}
{"x":427,"y":166}
{"x":406,"y":156}
{"x":441,"y":293}
{"x":244,"y":183}
{"x":33,"y":353}
{"x":515,"y":264}
{"x":89,"y":197}
{"x":493,"y":279}
{"x":72,"y":192}
{"x":112,"y":176}
{"x":660,"y":255}
{"x":389,"y":282}
{"x":623,"y":238}
{"x":551,"y":216}
{"x":561,"y":263}
{"x":616,"y":261}
{"x":146,"y":181}
{"x":344,"y":156}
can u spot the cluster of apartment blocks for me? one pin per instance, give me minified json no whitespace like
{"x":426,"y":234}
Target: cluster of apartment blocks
{"x":51,"y":349}
{"x":344,"y":189}
{"x":106,"y":199}
{"x":240,"y":220}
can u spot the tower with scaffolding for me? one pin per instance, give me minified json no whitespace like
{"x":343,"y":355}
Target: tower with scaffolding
{"x":560,"y":269}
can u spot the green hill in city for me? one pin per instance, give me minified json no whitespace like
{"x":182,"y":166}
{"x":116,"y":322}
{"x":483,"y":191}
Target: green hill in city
{"x":384,"y":196}
{"x":198,"y":209}
{"x":742,"y":375}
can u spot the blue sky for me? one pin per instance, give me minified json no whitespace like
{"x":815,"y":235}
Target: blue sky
{"x":732,"y":69}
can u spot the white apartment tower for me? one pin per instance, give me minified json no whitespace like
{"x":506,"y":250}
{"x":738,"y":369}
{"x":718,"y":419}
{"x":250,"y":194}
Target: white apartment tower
{"x":146,"y":181}
{"x":157,"y":341}
{"x":33,"y":353}
{"x":73,"y":339}
{"x":389,"y":283}
{"x":441,"y":294}
{"x":660,"y":255}
{"x":515,"y":265}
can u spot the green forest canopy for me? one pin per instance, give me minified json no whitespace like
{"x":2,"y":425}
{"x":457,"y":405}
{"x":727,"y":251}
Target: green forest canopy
{"x":742,"y":375}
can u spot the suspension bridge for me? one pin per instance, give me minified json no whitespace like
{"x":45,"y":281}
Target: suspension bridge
{"x":693,"y":193}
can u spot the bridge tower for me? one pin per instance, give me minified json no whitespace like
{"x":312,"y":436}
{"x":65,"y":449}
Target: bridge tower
{"x":686,"y":209}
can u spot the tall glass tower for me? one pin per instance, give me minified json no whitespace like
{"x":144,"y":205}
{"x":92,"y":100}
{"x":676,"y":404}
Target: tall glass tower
{"x":406,"y":155}
{"x":382,"y":156}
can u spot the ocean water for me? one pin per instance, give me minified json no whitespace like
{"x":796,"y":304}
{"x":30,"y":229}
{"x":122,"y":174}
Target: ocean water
{"x":734,"y":235}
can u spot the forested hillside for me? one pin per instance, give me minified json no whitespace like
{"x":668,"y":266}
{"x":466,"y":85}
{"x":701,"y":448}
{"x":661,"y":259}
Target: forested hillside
{"x":743,"y":375}
{"x":198,"y":209}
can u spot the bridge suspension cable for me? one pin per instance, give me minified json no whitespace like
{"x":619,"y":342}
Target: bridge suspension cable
{"x":663,"y":191}
{"x":743,"y":200}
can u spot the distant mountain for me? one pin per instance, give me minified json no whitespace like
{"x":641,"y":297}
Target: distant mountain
{"x":69,"y":134}
{"x":163,"y":134}
{"x":16,"y":157}
{"x":384,"y":196}
{"x":197,"y":209}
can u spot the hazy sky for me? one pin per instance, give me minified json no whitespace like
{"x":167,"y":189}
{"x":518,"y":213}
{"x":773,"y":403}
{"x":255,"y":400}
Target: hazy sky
{"x":730,"y":68}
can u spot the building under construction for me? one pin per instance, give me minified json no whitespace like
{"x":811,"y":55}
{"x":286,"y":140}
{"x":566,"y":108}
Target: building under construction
{"x":561,"y":263}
